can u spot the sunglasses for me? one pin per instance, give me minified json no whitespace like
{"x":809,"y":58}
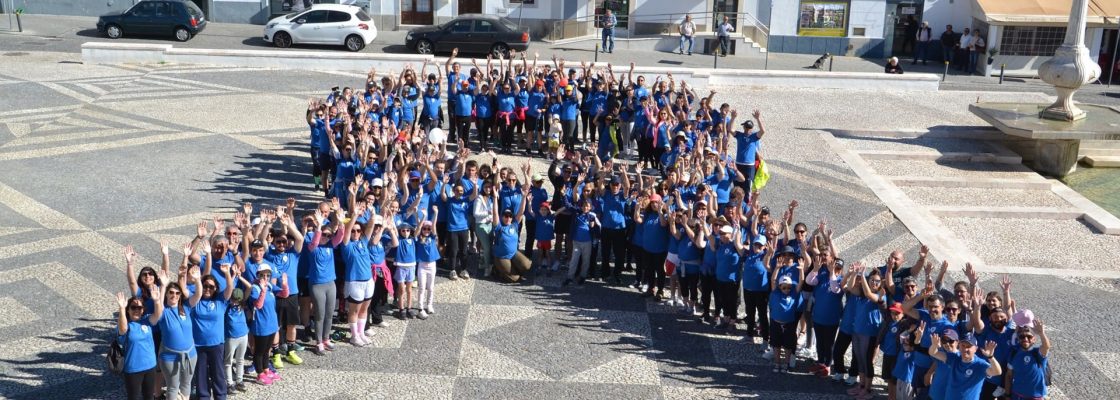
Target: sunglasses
{"x":147,"y":273}
{"x":953,"y":309}
{"x":1026,"y":337}
{"x":910,"y":286}
{"x":176,"y":293}
{"x":211,"y":287}
{"x":135,"y":307}
{"x":799,"y":231}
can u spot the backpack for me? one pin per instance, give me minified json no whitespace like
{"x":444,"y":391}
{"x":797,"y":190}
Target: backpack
{"x":115,"y":356}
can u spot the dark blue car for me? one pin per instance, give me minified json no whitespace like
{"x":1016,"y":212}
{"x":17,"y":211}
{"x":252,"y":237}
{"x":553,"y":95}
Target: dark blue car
{"x":178,"y":18}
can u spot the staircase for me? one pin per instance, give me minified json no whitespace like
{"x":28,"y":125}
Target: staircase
{"x":1100,"y":153}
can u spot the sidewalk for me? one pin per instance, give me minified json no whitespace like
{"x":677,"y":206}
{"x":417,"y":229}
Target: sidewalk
{"x":56,"y":33}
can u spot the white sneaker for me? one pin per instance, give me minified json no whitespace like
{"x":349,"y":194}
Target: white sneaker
{"x":431,"y":310}
{"x":837,"y":377}
{"x":370,"y":332}
{"x":423,"y":314}
{"x":851,"y":381}
{"x":805,"y":352}
{"x":768,"y":354}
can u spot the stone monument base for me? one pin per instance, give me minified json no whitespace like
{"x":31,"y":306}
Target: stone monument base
{"x":1049,"y":146}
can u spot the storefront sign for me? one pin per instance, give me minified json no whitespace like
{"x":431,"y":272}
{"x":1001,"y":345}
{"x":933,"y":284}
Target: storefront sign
{"x":823,"y":18}
{"x":909,"y":10}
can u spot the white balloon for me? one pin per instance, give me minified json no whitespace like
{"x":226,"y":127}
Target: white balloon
{"x":436,"y":136}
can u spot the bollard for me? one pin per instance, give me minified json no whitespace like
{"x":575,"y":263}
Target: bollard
{"x":1002,"y":67}
{"x":19,"y":11}
{"x":943,"y":74}
{"x":715,"y":58}
{"x":830,"y":63}
{"x":596,"y":52}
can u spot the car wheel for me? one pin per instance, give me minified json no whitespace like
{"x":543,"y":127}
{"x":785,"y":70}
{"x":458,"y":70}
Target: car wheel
{"x":114,"y":31}
{"x":500,"y":49}
{"x":282,"y":40}
{"x":424,"y":46}
{"x":182,"y":34}
{"x":355,"y":43}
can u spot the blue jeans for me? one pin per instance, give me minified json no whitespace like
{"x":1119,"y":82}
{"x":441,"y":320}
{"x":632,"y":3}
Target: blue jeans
{"x":947,"y":54}
{"x":724,"y":44}
{"x":608,"y":40}
{"x":973,"y":55}
{"x":689,"y":40}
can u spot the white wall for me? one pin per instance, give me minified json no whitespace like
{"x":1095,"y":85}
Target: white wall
{"x":783,"y":21}
{"x":542,"y":10}
{"x":948,"y":12}
{"x":867,"y":14}
{"x":640,"y":8}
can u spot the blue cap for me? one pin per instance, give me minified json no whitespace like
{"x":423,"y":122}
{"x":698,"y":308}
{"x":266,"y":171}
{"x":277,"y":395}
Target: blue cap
{"x":414,"y":175}
{"x":969,"y":338}
{"x":760,"y":240}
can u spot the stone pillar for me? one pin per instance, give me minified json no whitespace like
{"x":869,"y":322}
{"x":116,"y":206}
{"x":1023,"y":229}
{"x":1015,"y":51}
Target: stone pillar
{"x":1056,"y":157}
{"x":1070,"y":68}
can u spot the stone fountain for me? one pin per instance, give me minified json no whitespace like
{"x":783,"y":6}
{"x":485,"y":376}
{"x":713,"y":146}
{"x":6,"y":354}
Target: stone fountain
{"x":1049,"y":136}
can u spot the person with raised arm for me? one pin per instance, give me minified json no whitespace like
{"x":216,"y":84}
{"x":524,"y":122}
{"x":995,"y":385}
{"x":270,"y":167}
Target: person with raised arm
{"x":135,"y":330}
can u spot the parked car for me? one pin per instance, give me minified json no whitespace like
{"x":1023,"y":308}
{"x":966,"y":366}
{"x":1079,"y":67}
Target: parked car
{"x":179,"y":18}
{"x":470,"y":33}
{"x":334,"y":24}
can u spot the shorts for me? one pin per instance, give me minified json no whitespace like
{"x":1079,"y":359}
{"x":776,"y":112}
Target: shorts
{"x":888,"y":367}
{"x":304,"y":287}
{"x":326,"y":161}
{"x":544,"y":245}
{"x":783,"y":334}
{"x":359,"y":291}
{"x":671,"y":262}
{"x":405,"y":274}
{"x":287,"y":311}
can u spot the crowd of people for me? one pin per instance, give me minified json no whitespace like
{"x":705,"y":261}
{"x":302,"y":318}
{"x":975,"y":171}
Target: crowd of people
{"x":681,"y":219}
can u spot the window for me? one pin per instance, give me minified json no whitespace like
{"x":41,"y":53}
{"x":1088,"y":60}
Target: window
{"x":1031,"y":41}
{"x":314,"y":17}
{"x":163,"y":10}
{"x":482,"y":26}
{"x":338,"y":16}
{"x":362,"y":15}
{"x":823,"y":18}
{"x":144,"y":9}
{"x":461,"y":26}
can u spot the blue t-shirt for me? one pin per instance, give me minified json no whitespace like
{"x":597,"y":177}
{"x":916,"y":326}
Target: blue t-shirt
{"x":545,"y":228}
{"x":457,"y":209}
{"x":356,"y":258}
{"x":208,"y":322}
{"x":828,"y":307}
{"x":783,"y":307}
{"x":569,"y":109}
{"x":581,"y":227}
{"x":427,"y":249}
{"x":905,"y":365}
{"x":215,"y":269}
{"x":614,"y":210}
{"x":484,"y":106}
{"x":505,"y":101}
{"x":464,"y":103}
{"x":655,"y":238}
{"x":139,"y":346}
{"x":868,"y":317}
{"x":727,"y":262}
{"x":1005,"y":344}
{"x":889,"y":345}
{"x":265,"y":322}
{"x":708,"y":264}
{"x":286,"y":262}
{"x":235,"y":322}
{"x":746,"y":146}
{"x":406,"y":250}
{"x":376,"y":252}
{"x":319,"y":137}
{"x":509,"y":197}
{"x":847,"y":321}
{"x":688,"y":252}
{"x":536,"y":103}
{"x":506,"y":244}
{"x":932,"y":327}
{"x":176,"y":332}
{"x":1028,"y":372}
{"x":966,"y":378}
{"x":940,"y":382}
{"x":755,"y":276}
{"x":322,"y":263}
{"x":432,"y":104}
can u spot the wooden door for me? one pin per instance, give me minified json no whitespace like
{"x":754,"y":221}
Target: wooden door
{"x":470,"y":7}
{"x":416,"y":12}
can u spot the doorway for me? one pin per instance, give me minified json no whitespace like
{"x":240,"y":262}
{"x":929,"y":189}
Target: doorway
{"x":729,"y":8}
{"x":1107,"y":55}
{"x":416,"y":12}
{"x":470,"y":7}
{"x":907,"y":19}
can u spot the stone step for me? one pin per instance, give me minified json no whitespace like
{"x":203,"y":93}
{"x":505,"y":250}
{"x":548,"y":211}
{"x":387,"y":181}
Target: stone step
{"x":1028,"y":183}
{"x":1098,"y":152}
{"x":1100,"y":144}
{"x":1060,"y":213}
{"x":1103,"y":161}
{"x":993,"y":157}
{"x":986,"y":198}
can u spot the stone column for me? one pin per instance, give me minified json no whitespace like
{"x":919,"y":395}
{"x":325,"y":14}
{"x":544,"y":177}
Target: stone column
{"x":1070,"y":68}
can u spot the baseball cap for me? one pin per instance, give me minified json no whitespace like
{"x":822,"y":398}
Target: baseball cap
{"x":950,"y":334}
{"x":968,"y":338}
{"x":237,"y":296}
{"x":1023,"y":319}
{"x":507,"y":212}
{"x":785,"y":280}
{"x":546,"y":204}
{"x":378,"y":220}
{"x":760,"y":240}
{"x":378,"y":182}
{"x":616,"y":179}
{"x":264,"y":267}
{"x":538,"y":177}
{"x":655,"y":198}
{"x":896,"y":307}
{"x":539,"y":83}
{"x":404,"y":226}
{"x":787,"y":250}
{"x":726,"y":229}
{"x":256,"y":244}
{"x":414,"y":175}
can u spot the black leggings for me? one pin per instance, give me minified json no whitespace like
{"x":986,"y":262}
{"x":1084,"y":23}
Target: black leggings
{"x":657,"y":153}
{"x":843,"y":341}
{"x":655,"y":270}
{"x":707,"y":288}
{"x":727,"y":299}
{"x":506,"y":131}
{"x":141,"y":385}
{"x":261,"y":347}
{"x":613,"y":243}
{"x":645,"y":150}
{"x":570,"y":131}
{"x":826,"y":337}
{"x":639,"y":255}
{"x":464,"y":128}
{"x":757,"y":303}
{"x":588,"y":126}
{"x":484,"y":125}
{"x":688,"y":286}
{"x":457,"y":249}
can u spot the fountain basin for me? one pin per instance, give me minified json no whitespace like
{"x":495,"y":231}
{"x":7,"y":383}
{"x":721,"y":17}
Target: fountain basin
{"x":1049,"y":146}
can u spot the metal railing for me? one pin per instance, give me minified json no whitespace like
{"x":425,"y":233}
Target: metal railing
{"x":648,"y":25}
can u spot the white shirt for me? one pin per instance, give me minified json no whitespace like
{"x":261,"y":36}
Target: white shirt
{"x":688,"y":28}
{"x":966,"y":41}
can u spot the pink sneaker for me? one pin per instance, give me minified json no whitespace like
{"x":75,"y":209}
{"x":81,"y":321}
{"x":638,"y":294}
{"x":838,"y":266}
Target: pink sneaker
{"x":264,"y":379}
{"x":274,"y":375}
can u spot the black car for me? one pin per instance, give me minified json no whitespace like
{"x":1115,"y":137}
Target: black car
{"x":179,"y":18}
{"x":470,"y":33}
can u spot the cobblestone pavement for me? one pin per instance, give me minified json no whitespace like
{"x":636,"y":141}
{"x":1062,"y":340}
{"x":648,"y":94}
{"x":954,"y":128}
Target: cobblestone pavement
{"x":96,"y":157}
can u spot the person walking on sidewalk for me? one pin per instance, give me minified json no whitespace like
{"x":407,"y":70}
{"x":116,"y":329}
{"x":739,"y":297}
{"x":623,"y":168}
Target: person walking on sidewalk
{"x":687,"y":29}
{"x":609,"y":21}
{"x":724,"y":35}
{"x":924,"y":35}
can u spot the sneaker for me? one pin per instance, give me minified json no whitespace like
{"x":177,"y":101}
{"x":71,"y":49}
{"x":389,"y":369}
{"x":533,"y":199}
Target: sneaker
{"x":451,"y":276}
{"x":354,"y":341}
{"x":328,"y":345}
{"x":400,"y":314}
{"x":240,"y":386}
{"x":657,"y":297}
{"x":295,"y":347}
{"x":293,"y":358}
{"x":805,"y":352}
{"x":277,"y":361}
{"x":768,"y":353}
{"x":250,"y":370}
{"x":264,"y":379}
{"x":423,"y":315}
{"x":706,"y":318}
{"x":414,"y":284}
{"x":275,"y":376}
{"x":823,"y":372}
{"x":319,"y":350}
{"x":851,"y":381}
{"x":370,"y":332}
{"x":463,"y":274}
{"x":431,"y":310}
{"x":409,"y":314}
{"x":837,"y":377}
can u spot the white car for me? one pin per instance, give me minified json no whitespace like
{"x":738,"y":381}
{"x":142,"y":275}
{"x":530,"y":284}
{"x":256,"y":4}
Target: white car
{"x":335,"y":24}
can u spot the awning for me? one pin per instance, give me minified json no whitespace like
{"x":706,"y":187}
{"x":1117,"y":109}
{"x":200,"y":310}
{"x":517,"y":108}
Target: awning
{"x":1102,"y":13}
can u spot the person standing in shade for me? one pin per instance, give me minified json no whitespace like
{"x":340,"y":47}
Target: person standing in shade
{"x":609,"y":21}
{"x":948,"y":44}
{"x":975,"y":48}
{"x":724,"y":35}
{"x":923,"y":36}
{"x":687,"y":29}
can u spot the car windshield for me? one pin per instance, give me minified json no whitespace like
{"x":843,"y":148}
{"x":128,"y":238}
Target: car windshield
{"x":509,"y":24}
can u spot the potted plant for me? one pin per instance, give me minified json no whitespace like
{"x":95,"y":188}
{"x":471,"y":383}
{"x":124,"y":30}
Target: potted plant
{"x":992,"y":52}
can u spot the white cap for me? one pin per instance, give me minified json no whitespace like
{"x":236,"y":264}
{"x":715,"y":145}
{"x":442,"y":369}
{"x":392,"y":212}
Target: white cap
{"x":378,"y":182}
{"x":726,"y":229}
{"x":264,"y":267}
{"x":785,"y":280}
{"x":378,"y":220}
{"x":256,"y":221}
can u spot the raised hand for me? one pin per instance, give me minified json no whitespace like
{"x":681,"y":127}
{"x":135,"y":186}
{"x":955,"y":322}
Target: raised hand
{"x":218,"y":224}
{"x":1005,"y":283}
{"x":188,"y":249}
{"x":756,"y":114}
{"x":202,"y":231}
{"x":195,"y":274}
{"x":1039,"y":327}
{"x":989,"y":348}
{"x":163,"y":248}
{"x":247,"y":208}
{"x":121,"y":300}
{"x":924,"y":251}
{"x":129,"y":255}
